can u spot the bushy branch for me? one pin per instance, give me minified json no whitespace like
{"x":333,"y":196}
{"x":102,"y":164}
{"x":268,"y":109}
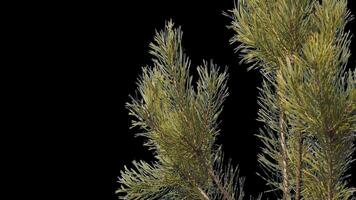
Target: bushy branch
{"x":307,"y":99}
{"x":180,"y":123}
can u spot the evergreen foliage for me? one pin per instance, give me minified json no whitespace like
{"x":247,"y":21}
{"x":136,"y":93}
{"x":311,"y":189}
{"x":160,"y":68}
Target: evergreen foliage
{"x":180,"y":123}
{"x":307,"y":106}
{"x":308,"y":96}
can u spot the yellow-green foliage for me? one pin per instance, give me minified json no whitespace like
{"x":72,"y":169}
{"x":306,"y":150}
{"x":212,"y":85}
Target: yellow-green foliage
{"x":302,"y":50}
{"x":180,"y":124}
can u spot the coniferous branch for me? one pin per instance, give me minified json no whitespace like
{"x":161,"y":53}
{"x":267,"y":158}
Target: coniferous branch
{"x":325,"y":106}
{"x":301,"y":48}
{"x":268,"y":31}
{"x":180,"y":123}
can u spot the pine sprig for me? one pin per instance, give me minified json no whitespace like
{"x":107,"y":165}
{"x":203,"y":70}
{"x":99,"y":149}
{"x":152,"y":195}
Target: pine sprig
{"x":307,"y":99}
{"x":180,"y":123}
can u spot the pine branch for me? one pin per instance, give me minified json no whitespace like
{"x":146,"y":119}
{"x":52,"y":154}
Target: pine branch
{"x":266,"y":36}
{"x":301,"y":49}
{"x":180,"y":123}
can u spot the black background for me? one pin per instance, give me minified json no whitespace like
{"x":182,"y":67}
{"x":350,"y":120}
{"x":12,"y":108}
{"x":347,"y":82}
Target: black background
{"x":101,"y":50}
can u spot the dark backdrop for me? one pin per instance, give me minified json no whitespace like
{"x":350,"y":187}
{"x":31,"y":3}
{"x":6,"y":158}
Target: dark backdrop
{"x":110,"y":44}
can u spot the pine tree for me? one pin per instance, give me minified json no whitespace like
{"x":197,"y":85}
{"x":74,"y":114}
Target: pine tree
{"x":180,"y":123}
{"x":308,"y":96}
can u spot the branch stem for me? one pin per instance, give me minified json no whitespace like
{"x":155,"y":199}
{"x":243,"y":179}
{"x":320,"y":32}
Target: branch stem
{"x":284,"y":156}
{"x":225,"y":194}
{"x":283,"y":143}
{"x":330,"y":183}
{"x":213,"y":176}
{"x":203,"y":194}
{"x":299,"y":174}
